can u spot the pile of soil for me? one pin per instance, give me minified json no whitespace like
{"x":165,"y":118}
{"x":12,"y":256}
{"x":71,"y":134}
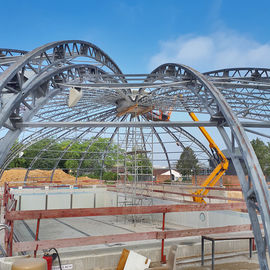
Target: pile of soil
{"x":35,"y":177}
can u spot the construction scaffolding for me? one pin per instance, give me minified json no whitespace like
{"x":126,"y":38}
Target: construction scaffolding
{"x":136,"y":147}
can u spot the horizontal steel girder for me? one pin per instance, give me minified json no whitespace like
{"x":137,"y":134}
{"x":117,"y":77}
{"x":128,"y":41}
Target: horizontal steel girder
{"x":135,"y":124}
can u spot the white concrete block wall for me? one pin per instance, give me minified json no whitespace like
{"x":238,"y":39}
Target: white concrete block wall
{"x":32,"y":201}
{"x":35,"y":199}
{"x":83,"y":199}
{"x":58,"y":200}
{"x":202,"y":219}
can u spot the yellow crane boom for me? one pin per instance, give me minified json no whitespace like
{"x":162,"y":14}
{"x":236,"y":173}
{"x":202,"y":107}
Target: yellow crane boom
{"x":220,"y":169}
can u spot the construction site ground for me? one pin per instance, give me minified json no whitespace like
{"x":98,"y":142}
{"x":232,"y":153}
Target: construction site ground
{"x":106,"y":256}
{"x":102,"y":256}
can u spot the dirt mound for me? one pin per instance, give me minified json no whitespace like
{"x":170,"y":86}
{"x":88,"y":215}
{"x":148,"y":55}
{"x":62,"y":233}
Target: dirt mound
{"x":17,"y":176}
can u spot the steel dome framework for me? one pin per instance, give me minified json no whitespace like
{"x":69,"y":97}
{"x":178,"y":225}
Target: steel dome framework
{"x":34,"y":88}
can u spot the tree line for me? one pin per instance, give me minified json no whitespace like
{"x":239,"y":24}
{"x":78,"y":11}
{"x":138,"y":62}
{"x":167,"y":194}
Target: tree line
{"x":188,"y":163}
{"x":98,"y":156}
{"x":262,"y":151}
{"x":94,"y":158}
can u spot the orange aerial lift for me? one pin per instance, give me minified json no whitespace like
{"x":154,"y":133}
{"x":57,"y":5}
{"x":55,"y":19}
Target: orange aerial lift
{"x":159,"y":116}
{"x":220,"y":169}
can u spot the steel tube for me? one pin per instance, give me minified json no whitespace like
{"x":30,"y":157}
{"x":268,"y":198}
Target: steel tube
{"x":85,"y":124}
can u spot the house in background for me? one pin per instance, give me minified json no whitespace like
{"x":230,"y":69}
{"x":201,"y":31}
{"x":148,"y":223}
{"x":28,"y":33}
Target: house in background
{"x":163,"y":174}
{"x":175,"y":176}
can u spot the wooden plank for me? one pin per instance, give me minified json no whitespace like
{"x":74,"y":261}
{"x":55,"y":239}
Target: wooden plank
{"x":111,"y":211}
{"x":200,"y":196}
{"x":84,"y":241}
{"x":94,"y":240}
{"x":184,"y":194}
{"x":123,"y":259}
{"x":187,"y":187}
{"x":203,"y":231}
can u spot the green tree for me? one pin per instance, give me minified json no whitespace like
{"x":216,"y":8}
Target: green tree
{"x":47,"y":151}
{"x":92,"y":156}
{"x":19,"y":161}
{"x":263,"y":154}
{"x":187,"y":163}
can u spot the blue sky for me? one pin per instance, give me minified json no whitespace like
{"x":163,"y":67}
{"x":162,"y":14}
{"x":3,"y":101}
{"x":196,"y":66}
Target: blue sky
{"x":139,"y":35}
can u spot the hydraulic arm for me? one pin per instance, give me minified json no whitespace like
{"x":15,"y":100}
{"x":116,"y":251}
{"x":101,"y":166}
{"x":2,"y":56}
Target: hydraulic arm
{"x":220,"y":169}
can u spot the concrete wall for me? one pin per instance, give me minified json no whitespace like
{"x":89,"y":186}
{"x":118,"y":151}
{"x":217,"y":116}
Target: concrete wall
{"x":108,"y":259}
{"x":202,"y":219}
{"x":63,"y":198}
{"x":100,"y":197}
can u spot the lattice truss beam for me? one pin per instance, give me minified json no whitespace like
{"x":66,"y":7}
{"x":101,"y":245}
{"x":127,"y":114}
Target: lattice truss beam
{"x":35,"y":85}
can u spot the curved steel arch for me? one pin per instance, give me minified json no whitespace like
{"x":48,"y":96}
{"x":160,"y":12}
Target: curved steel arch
{"x":83,"y":133}
{"x":62,"y":51}
{"x":257,"y":197}
{"x":34,"y":86}
{"x":49,"y":56}
{"x":36,"y":55}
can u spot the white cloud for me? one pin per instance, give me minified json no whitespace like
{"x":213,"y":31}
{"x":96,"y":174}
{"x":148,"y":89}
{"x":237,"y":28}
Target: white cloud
{"x":218,"y":50}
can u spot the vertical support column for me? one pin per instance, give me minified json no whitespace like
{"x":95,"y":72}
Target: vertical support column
{"x":202,"y":246}
{"x":250,"y":246}
{"x":95,"y":198}
{"x":71,"y":197}
{"x":213,"y":254}
{"x":20,"y":202}
{"x":20,"y":197}
{"x":8,"y":233}
{"x":46,"y":197}
{"x":10,"y":239}
{"x":163,"y":257}
{"x":6,"y":195}
{"x":36,"y":238}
